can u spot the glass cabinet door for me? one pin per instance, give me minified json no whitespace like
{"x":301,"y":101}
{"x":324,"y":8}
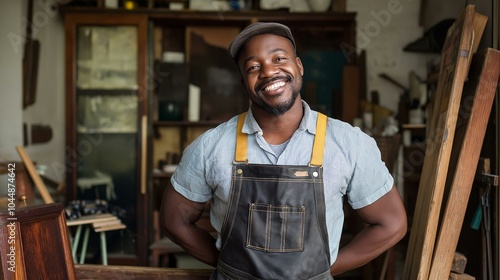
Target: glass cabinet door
{"x":108,"y":130}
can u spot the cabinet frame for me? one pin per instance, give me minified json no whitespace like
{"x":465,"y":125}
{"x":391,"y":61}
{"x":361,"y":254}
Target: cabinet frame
{"x":72,"y":21}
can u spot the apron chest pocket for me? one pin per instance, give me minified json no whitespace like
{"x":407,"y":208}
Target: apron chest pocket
{"x":277,"y":229}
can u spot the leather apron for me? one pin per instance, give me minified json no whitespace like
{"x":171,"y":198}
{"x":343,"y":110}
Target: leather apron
{"x":274,"y":227}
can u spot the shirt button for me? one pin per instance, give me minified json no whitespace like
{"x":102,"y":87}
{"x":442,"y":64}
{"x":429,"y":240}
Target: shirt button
{"x":260,"y":133}
{"x":315,"y":174}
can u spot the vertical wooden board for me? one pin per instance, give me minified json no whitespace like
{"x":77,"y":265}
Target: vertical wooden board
{"x":496,"y":192}
{"x":477,"y":100}
{"x":157,"y":43}
{"x":479,"y":26}
{"x":351,"y":92}
{"x":455,"y":60}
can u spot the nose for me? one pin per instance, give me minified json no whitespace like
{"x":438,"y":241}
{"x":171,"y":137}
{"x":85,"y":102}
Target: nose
{"x":268,"y":70}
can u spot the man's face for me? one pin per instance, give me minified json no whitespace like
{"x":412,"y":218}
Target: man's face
{"x":272,"y":74}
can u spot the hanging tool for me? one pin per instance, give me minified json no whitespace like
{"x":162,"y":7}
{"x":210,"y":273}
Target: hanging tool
{"x":483,"y":213}
{"x":30,"y":61}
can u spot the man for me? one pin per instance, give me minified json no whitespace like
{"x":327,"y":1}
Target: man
{"x":276,"y":177}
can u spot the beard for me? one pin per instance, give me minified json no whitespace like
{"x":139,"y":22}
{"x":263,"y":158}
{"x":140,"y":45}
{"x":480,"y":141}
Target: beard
{"x":283,"y":107}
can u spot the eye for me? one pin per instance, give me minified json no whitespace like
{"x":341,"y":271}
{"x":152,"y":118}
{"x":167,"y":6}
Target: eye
{"x":252,"y":68}
{"x":280,"y":59}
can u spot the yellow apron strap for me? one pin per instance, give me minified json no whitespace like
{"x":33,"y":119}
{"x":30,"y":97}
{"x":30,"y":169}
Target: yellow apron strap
{"x":241,"y":140}
{"x":318,"y":147}
{"x":319,"y":141}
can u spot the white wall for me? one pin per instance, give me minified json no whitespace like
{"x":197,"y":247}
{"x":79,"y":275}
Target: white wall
{"x":384,"y":28}
{"x":10,"y":82}
{"x":10,"y":86}
{"x":49,"y":106}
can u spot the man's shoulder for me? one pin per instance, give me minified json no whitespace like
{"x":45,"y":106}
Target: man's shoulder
{"x":225,"y":130}
{"x":347,"y":136}
{"x":339,"y":127}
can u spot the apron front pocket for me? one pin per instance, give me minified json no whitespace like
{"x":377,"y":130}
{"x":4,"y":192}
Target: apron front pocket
{"x":278,"y":229}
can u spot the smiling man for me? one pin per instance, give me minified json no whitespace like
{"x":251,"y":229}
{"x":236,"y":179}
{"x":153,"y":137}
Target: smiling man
{"x":276,"y":176}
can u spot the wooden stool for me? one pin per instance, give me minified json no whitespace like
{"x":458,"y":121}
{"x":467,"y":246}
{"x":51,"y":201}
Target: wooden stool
{"x":100,"y":223}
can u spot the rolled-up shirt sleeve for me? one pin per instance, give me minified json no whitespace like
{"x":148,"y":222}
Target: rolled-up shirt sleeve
{"x":189,"y":177}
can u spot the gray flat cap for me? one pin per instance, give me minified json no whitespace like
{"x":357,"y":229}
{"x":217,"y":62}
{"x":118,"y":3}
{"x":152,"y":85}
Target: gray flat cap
{"x":256,"y":29}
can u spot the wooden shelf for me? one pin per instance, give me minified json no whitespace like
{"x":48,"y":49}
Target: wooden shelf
{"x":162,"y":175}
{"x":159,"y":13}
{"x":414,"y":125}
{"x":185,"y":123}
{"x":106,"y":92}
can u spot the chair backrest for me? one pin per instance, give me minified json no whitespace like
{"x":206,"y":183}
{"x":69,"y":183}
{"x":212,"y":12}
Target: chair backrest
{"x":34,"y":243}
{"x":389,"y":148}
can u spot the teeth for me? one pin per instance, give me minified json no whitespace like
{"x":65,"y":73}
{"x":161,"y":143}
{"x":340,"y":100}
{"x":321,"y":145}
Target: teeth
{"x":274,"y":86}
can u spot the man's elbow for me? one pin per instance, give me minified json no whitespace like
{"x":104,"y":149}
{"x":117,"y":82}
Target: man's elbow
{"x":167,"y":226}
{"x":164,"y":227}
{"x":399,"y":228}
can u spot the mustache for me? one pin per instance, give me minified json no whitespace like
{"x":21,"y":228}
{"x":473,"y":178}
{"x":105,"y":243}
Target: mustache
{"x":260,"y":86}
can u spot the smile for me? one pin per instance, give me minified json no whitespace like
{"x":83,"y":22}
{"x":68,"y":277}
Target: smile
{"x":274,"y":86}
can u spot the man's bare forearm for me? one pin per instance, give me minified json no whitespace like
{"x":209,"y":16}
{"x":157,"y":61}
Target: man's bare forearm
{"x":386,"y":219}
{"x":366,"y":246}
{"x":178,"y":222}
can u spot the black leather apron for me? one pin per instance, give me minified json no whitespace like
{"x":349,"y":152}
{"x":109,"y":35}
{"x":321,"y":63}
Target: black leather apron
{"x":274,"y":227}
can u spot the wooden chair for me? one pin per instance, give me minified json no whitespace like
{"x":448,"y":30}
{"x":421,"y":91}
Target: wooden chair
{"x":34,"y":243}
{"x":164,"y":247}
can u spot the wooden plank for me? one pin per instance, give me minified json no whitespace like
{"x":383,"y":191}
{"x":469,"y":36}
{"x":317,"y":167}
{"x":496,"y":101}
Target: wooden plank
{"x":47,"y":198}
{"x":455,"y":60}
{"x":107,"y":223}
{"x":350,"y":92}
{"x":89,"y":219}
{"x":456,"y":276}
{"x":496,"y":158}
{"x":110,"y":227}
{"x":479,"y":26}
{"x":136,"y":272}
{"x":477,"y":101}
{"x":459,"y":263}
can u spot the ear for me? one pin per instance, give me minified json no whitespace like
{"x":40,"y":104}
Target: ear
{"x":299,"y":64}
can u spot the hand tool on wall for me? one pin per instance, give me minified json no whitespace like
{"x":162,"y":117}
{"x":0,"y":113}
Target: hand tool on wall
{"x":30,"y":61}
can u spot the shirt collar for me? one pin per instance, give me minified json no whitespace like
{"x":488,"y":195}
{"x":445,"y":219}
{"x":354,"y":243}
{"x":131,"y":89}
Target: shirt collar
{"x":308,"y":121}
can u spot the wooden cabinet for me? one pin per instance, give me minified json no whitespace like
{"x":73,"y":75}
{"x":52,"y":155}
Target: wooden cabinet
{"x":35,"y":244}
{"x":107,"y":121}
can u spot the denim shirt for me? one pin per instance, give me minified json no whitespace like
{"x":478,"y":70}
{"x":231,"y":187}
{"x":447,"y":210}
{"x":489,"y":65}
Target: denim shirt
{"x":352,"y":166}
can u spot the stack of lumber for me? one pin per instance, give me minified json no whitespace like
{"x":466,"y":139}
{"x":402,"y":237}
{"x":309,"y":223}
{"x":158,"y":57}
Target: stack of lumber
{"x":457,"y":127}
